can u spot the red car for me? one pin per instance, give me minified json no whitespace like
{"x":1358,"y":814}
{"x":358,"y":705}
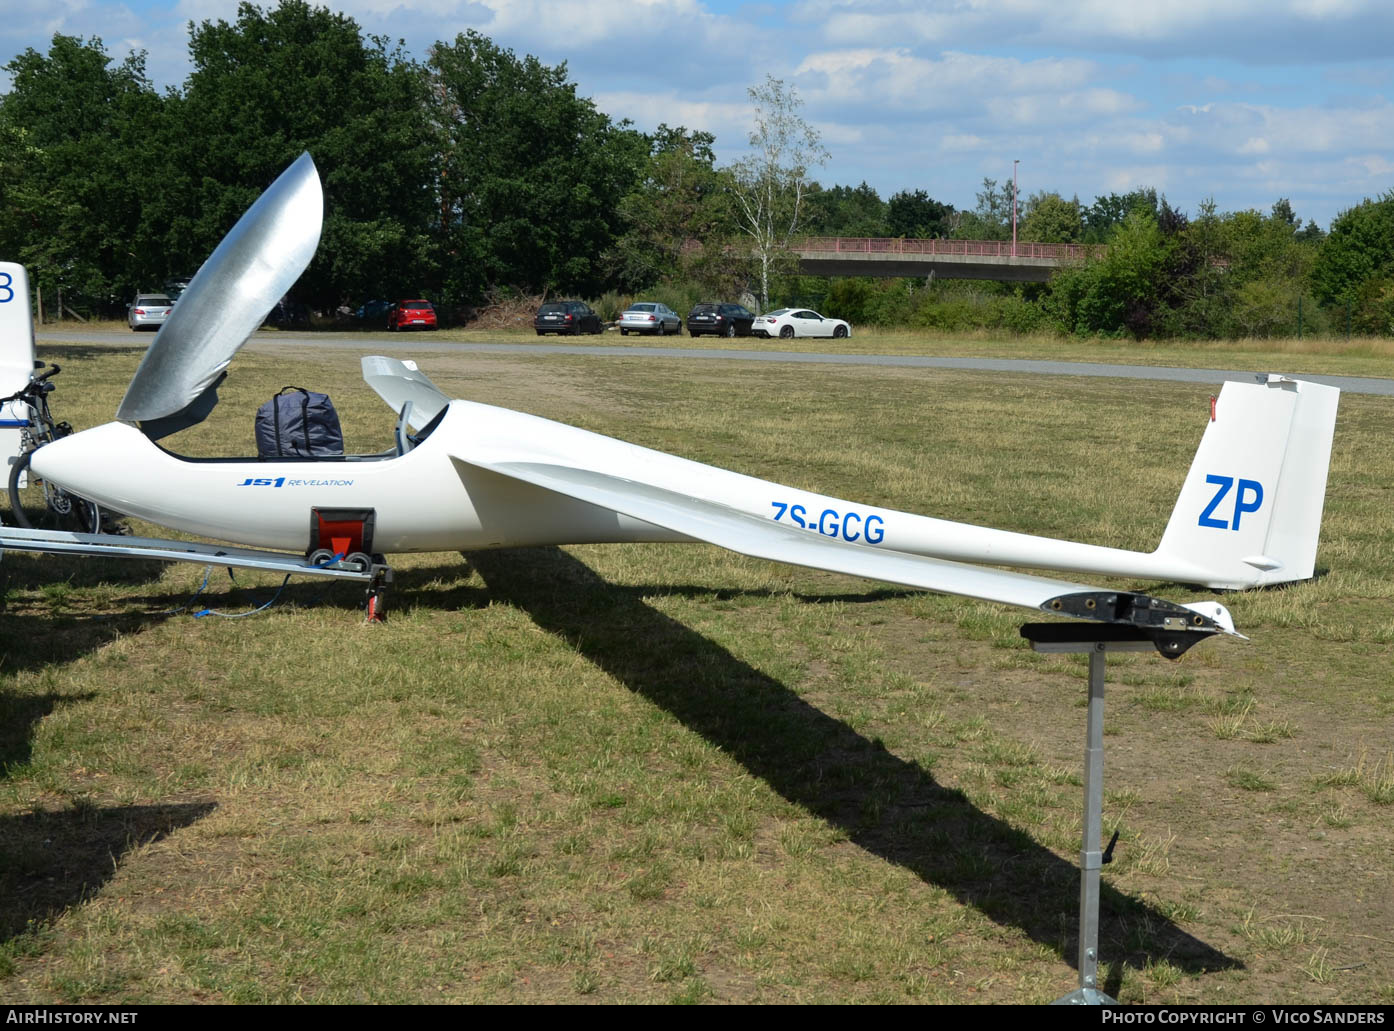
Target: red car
{"x":411,"y":315}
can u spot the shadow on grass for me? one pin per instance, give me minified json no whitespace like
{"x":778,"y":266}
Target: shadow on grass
{"x":61,"y":351}
{"x":40,"y":644}
{"x":52,"y":861}
{"x":27,"y":572}
{"x":54,"y":624}
{"x":889,"y":806}
{"x":19,"y":714}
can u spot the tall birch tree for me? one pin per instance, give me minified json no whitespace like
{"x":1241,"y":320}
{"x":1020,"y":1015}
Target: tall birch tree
{"x":771,"y":183}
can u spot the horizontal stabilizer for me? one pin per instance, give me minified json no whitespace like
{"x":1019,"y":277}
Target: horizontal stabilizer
{"x":398,"y":382}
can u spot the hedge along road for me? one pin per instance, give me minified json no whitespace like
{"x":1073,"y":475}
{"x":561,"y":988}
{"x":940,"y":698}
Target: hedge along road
{"x":422,"y":344}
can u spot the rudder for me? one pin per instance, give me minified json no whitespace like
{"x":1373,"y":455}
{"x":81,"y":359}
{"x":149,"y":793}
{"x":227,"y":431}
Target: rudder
{"x":1250,"y":509}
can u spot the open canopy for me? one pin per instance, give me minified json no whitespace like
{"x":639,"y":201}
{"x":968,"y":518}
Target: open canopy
{"x":256,"y":263}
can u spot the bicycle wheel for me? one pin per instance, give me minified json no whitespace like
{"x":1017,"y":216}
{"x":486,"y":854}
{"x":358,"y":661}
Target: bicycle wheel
{"x":41,"y":505}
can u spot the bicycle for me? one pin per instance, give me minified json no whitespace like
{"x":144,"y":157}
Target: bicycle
{"x":35,"y":503}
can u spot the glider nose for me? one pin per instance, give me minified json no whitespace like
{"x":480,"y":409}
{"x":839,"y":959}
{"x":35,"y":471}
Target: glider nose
{"x":77,"y":462}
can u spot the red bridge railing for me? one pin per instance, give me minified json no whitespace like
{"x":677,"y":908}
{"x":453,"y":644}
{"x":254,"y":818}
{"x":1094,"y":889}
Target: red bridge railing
{"x":959,"y":248}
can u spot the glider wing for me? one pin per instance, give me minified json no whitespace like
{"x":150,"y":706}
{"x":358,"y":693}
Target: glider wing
{"x":747,"y":534}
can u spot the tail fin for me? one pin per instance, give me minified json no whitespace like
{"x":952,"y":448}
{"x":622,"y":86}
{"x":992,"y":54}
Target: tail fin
{"x":1250,"y":509}
{"x":16,"y":354}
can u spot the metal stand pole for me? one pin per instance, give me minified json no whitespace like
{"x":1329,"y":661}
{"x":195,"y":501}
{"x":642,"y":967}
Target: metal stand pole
{"x":1129,"y":623}
{"x":1046,"y":638}
{"x":1091,"y":856}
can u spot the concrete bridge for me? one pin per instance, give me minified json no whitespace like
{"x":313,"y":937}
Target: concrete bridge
{"x":942,"y":259}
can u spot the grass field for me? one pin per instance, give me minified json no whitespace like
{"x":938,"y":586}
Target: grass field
{"x":673,"y":774}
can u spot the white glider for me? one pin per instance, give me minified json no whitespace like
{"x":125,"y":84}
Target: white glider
{"x":466,"y":476}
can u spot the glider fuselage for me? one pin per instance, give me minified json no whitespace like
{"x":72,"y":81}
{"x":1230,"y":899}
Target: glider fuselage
{"x":429,"y":499}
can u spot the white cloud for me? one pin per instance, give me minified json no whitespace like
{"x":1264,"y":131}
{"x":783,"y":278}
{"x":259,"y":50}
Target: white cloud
{"x":962,"y":142}
{"x":1145,"y":142}
{"x":1121,"y":179}
{"x":625,"y":25}
{"x":35,"y":24}
{"x":956,"y":83}
{"x":1257,"y":31}
{"x":730,"y":120}
{"x":1373,"y":165}
{"x":1266,"y":129}
{"x":206,"y":10}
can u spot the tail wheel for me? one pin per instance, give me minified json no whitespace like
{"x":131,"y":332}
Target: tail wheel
{"x":731,"y":330}
{"x":37,"y":504}
{"x":787,"y":333}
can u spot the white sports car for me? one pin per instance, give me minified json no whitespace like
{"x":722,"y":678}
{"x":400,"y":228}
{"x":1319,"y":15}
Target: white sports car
{"x":798,"y":322}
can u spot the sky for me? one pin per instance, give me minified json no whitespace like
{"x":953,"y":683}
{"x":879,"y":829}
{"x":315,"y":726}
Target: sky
{"x":1239,"y":101}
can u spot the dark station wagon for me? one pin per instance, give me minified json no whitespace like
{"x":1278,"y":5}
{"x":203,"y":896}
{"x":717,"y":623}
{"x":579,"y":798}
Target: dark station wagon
{"x":569,"y":317}
{"x":722,"y":320}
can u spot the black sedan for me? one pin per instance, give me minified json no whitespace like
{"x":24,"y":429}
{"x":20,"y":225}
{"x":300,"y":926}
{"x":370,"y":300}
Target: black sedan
{"x":722,"y":320}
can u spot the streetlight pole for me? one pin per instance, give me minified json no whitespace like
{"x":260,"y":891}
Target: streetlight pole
{"x":1014,"y":164}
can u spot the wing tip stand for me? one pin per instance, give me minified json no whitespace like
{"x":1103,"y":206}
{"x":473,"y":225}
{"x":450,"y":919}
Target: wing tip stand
{"x":1123,"y":617}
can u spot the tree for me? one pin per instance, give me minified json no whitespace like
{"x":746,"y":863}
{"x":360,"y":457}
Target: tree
{"x":281,"y":81}
{"x":1311,"y":232}
{"x":918,"y":215}
{"x":1106,"y":213}
{"x":1283,"y":213}
{"x":74,"y":174}
{"x":1171,"y":221}
{"x":532,"y":175}
{"x":1359,"y":248}
{"x":677,"y":215}
{"x":992,"y":218}
{"x":846,"y":211}
{"x":1050,"y":218}
{"x":1202,"y":287}
{"x":770,"y":185}
{"x":1120,"y":291}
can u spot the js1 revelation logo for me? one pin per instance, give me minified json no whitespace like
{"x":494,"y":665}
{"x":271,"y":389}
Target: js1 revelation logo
{"x":282,"y":481}
{"x":1248,"y":497}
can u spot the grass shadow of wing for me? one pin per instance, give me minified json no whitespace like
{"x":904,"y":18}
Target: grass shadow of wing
{"x":887,"y":805}
{"x":29,"y":572}
{"x":52,"y":861}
